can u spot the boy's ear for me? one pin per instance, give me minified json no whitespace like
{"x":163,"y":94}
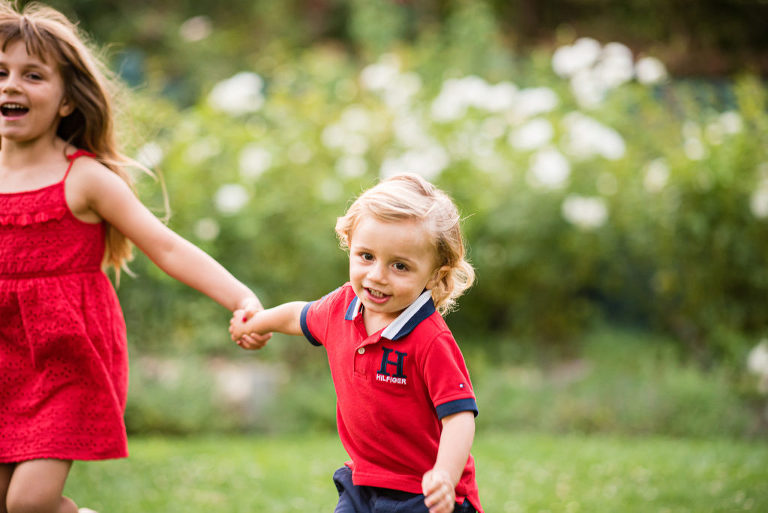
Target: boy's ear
{"x":438,"y":276}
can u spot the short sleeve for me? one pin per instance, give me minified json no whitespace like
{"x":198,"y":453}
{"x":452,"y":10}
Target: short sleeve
{"x":447,"y":377}
{"x":316,"y":316}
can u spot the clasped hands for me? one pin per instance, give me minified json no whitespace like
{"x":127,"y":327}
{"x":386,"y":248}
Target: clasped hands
{"x":237,"y":330}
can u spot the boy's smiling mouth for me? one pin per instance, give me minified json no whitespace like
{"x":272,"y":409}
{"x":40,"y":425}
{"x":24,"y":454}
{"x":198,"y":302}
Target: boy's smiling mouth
{"x":376,"y":295}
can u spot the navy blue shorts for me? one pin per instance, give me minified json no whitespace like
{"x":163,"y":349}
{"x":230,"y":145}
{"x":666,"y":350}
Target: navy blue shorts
{"x":369,"y":499}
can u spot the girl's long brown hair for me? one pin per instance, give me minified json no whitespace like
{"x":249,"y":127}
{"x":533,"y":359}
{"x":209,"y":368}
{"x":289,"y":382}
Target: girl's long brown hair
{"x":88,"y":84}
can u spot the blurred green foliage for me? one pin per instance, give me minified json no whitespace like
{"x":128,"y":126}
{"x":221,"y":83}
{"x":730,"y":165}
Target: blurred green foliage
{"x":622,"y":383}
{"x":348,"y":88}
{"x":678,"y":243}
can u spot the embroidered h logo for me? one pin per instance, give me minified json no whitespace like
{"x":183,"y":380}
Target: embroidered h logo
{"x":399,"y":363}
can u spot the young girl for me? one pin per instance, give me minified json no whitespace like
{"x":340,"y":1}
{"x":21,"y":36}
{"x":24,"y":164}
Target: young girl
{"x":405,"y":405}
{"x":67,"y":208}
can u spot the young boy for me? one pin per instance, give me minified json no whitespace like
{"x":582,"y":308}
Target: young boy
{"x":405,"y":405}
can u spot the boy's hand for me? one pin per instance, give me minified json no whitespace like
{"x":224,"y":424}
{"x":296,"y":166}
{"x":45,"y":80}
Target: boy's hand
{"x":439,"y":492}
{"x":239,"y":332}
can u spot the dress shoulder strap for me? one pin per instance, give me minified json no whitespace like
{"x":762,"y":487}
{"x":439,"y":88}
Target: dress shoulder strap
{"x":74,"y":156}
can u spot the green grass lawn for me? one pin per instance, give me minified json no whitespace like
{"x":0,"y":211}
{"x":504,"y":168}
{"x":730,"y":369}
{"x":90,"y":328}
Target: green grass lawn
{"x":516,"y":473}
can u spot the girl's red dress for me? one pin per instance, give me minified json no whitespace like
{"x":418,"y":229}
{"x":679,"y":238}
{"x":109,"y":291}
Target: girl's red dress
{"x":63,"y":353}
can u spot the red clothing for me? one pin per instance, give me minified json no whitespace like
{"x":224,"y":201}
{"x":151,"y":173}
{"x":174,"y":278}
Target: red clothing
{"x":63,"y":353}
{"x":392,"y":389}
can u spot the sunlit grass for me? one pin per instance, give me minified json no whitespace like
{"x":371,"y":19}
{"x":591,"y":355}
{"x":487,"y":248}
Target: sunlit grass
{"x":516,"y":473}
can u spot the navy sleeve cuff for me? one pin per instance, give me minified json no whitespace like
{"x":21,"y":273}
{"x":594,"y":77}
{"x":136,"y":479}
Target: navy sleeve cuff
{"x":459,"y":405}
{"x":305,"y":328}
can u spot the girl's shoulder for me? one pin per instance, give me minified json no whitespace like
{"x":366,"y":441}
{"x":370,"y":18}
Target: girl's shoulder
{"x":88,"y":173}
{"x":90,"y":183}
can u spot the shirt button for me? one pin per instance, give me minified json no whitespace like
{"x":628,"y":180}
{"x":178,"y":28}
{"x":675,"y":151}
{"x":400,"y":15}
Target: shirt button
{"x":361,"y":350}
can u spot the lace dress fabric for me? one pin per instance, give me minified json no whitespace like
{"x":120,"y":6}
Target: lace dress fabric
{"x":63,"y":353}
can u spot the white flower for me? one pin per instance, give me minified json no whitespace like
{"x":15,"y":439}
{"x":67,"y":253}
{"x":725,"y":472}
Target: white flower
{"x":399,"y":93}
{"x":351,"y":166}
{"x":238,"y":94}
{"x":455,"y":96}
{"x":380,"y":76}
{"x":727,"y":123}
{"x":207,"y":229}
{"x":254,"y":160}
{"x":615,"y":65}
{"x":548,"y":169}
{"x":650,"y":70}
{"x":730,"y":122}
{"x":583,"y":212}
{"x":410,"y":131}
{"x":230,"y":198}
{"x":196,"y":28}
{"x":532,"y":102}
{"x":458,"y":94}
{"x":568,"y":60}
{"x":333,"y":136}
{"x":428,"y":162}
{"x":336,"y":136}
{"x":532,"y":135}
{"x":497,"y":98}
{"x":757,"y":363}
{"x":586,"y":137}
{"x":446,"y":108}
{"x":150,"y":155}
{"x":656,"y":175}
{"x":694,"y":149}
{"x":588,"y":89}
{"x":356,"y":118}
{"x":714,"y":133}
{"x":494,"y":127}
{"x":202,"y":149}
{"x":758,"y":202}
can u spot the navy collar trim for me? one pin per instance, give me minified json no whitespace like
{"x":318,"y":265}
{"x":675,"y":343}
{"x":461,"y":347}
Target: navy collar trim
{"x":406,"y":322}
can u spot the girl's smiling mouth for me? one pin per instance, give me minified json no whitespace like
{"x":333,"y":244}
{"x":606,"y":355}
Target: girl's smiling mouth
{"x":13,"y":110}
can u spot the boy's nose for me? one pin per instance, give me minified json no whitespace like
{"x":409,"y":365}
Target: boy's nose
{"x":377,"y":273}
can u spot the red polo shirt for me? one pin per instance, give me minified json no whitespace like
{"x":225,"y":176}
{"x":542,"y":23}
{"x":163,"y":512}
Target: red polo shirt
{"x":392,"y":389}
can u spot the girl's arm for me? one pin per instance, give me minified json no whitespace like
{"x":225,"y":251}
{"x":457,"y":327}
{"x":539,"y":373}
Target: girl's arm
{"x":285,"y":318}
{"x":439,"y":484}
{"x":95,"y":192}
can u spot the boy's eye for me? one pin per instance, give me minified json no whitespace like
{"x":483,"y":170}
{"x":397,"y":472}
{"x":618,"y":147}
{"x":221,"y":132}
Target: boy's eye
{"x":35,"y":76}
{"x":366,"y":256}
{"x":401,"y":266}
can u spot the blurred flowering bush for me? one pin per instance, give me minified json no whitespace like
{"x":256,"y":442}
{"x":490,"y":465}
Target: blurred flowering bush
{"x":592,"y":185}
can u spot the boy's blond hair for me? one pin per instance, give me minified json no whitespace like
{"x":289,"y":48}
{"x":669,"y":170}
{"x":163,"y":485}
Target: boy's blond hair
{"x":407,"y":197}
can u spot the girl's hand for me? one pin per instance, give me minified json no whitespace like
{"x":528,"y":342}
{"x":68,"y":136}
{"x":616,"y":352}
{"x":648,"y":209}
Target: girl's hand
{"x":439,"y":492}
{"x":253,"y":341}
{"x":240,"y":334}
{"x":249,"y":306}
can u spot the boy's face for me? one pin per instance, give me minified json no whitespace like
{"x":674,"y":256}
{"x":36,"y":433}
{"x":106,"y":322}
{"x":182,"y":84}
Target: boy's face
{"x":390,"y":265}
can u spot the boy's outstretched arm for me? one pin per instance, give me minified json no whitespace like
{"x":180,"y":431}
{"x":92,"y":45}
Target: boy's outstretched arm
{"x":439,"y":484}
{"x":285,"y":318}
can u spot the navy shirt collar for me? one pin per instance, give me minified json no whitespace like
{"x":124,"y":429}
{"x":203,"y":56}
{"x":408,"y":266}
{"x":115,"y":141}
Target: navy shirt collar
{"x":408,"y":319}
